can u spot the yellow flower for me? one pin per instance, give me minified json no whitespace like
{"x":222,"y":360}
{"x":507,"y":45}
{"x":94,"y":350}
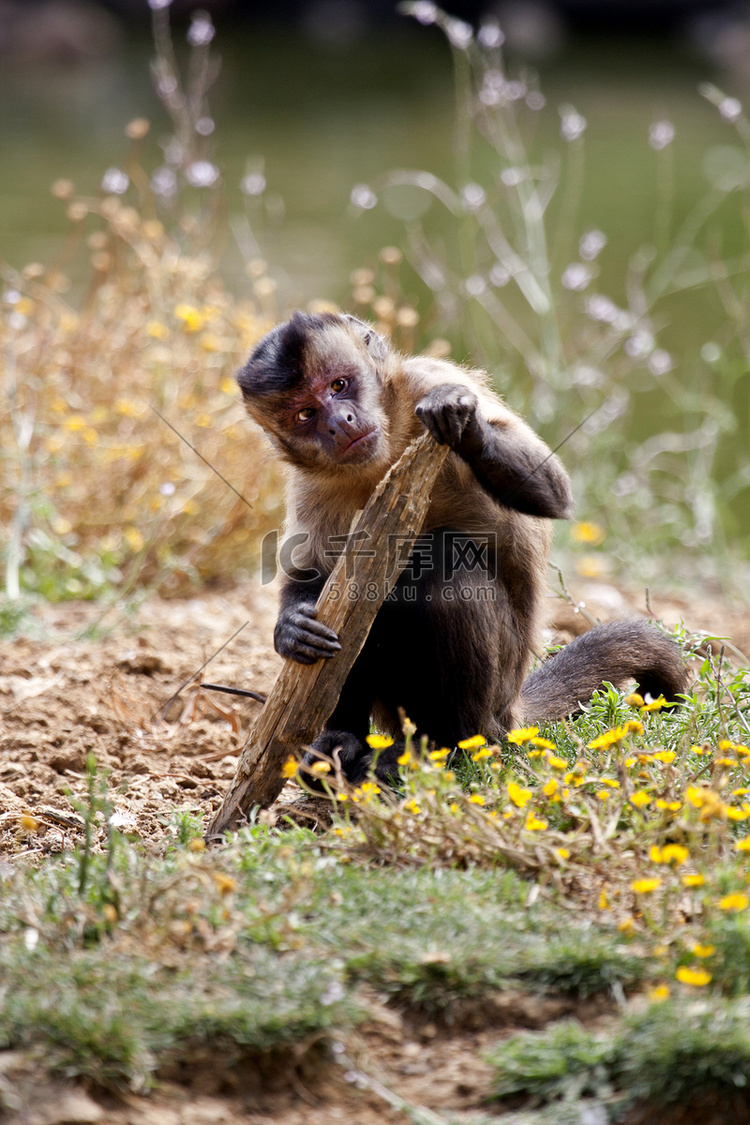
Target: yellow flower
{"x":472,"y":743}
{"x":734,"y":903}
{"x":743,"y":845}
{"x":197,"y":845}
{"x":550,"y":788}
{"x":645,"y":886}
{"x":603,"y":900}
{"x":592,"y":533}
{"x":133,"y":538}
{"x":534,"y":823}
{"x":321,"y":767}
{"x":660,"y":992}
{"x":694,"y":880}
{"x":405,"y":758}
{"x":740,"y":792}
{"x":640,"y":799}
{"x":518,"y":796}
{"x":28,"y":822}
{"x":289,"y":768}
{"x":412,"y":807}
{"x":369,"y":789}
{"x":191,"y":317}
{"x":543,"y":743}
{"x":476,"y":799}
{"x":342,"y":796}
{"x":632,"y":726}
{"x":563,"y":853}
{"x":634,"y":699}
{"x":481,"y":754}
{"x":738,"y":814}
{"x":439,"y":755}
{"x":379,"y":741}
{"x":697,"y":977}
{"x":521,"y":735}
{"x":667,"y":756}
{"x":225,"y":884}
{"x":728,"y":763}
{"x":703,"y":950}
{"x":557,"y":763}
{"x":673,"y":806}
{"x":627,"y":926}
{"x":656,"y":704}
{"x":671,"y":853}
{"x":737,"y":747}
{"x":603,"y":795}
{"x":157,"y":330}
{"x":611,"y":782}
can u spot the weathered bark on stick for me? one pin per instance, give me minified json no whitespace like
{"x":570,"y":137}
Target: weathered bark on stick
{"x":305,"y":695}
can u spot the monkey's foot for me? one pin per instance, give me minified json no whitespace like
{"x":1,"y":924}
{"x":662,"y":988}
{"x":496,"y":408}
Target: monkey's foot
{"x":351,"y":758}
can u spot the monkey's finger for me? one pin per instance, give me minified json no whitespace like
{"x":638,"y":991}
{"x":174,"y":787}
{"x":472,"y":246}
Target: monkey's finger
{"x":314,"y":628}
{"x":307,"y":654}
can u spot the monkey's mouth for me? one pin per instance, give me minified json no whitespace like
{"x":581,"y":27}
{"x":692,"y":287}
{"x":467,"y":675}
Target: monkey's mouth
{"x":360,"y":448}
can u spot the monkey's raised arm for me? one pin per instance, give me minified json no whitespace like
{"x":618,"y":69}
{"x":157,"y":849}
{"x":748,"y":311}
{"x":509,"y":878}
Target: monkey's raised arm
{"x":508,"y":459}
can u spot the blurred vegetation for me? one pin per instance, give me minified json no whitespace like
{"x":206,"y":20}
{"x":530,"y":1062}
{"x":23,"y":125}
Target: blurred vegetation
{"x":100,"y":485}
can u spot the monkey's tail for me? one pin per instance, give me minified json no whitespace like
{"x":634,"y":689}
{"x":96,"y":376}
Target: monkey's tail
{"x":618,"y":653}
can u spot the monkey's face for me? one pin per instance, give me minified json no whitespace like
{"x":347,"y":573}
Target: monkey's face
{"x":328,"y":412}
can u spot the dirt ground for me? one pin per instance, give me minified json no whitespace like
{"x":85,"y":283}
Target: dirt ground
{"x":61,"y":698}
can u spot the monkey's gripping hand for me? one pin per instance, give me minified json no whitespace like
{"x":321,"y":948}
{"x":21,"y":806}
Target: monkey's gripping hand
{"x":449,"y":412}
{"x":510,"y":462}
{"x":300,"y":636}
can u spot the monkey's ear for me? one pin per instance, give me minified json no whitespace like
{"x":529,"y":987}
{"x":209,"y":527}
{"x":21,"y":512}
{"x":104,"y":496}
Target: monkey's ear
{"x":376,"y":345}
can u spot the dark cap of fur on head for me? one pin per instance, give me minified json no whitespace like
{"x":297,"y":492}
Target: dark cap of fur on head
{"x":277,"y":363}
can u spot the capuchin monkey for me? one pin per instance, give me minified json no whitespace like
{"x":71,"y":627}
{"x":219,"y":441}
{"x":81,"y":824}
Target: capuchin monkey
{"x":451,"y":646}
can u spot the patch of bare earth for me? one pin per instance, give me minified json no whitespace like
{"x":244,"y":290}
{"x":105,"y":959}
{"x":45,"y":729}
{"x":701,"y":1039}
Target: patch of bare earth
{"x":62,"y":699}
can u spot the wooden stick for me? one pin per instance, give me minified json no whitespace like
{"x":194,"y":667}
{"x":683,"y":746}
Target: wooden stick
{"x":305,"y":695}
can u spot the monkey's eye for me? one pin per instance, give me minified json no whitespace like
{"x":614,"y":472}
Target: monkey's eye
{"x":306,"y":414}
{"x":338,"y":385}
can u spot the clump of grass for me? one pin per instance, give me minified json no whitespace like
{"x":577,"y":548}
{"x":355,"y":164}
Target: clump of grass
{"x":637,"y":813}
{"x":97,"y":489}
{"x":674,"y":1054}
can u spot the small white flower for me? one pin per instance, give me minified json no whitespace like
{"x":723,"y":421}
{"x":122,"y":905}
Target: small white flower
{"x":572,"y":124}
{"x":601,"y":308}
{"x":459,"y":33}
{"x":536,"y":100}
{"x":710,"y":352}
{"x":201,"y":173}
{"x":475,"y":285}
{"x":512,"y":177}
{"x":167,"y":489}
{"x":11,"y":297}
{"x":205,"y":126}
{"x":660,"y":362}
{"x":424,"y":11}
{"x":201,"y":30}
{"x":730,"y":108}
{"x":115,"y":181}
{"x":362,"y":197}
{"x":30,"y":938}
{"x":164,"y":181}
{"x":166,"y":86}
{"x":591,"y":244}
{"x":639,"y":345}
{"x":499,"y":275}
{"x":473,"y":196}
{"x":490,"y":35}
{"x":661,"y":134}
{"x":253,"y":184}
{"x":576,"y":276}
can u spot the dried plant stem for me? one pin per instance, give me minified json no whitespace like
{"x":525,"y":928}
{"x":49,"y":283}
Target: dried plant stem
{"x":304,"y":696}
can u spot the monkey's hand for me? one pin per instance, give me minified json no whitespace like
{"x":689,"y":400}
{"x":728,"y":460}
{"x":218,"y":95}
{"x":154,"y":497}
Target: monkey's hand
{"x":299,"y":636}
{"x":449,"y":412}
